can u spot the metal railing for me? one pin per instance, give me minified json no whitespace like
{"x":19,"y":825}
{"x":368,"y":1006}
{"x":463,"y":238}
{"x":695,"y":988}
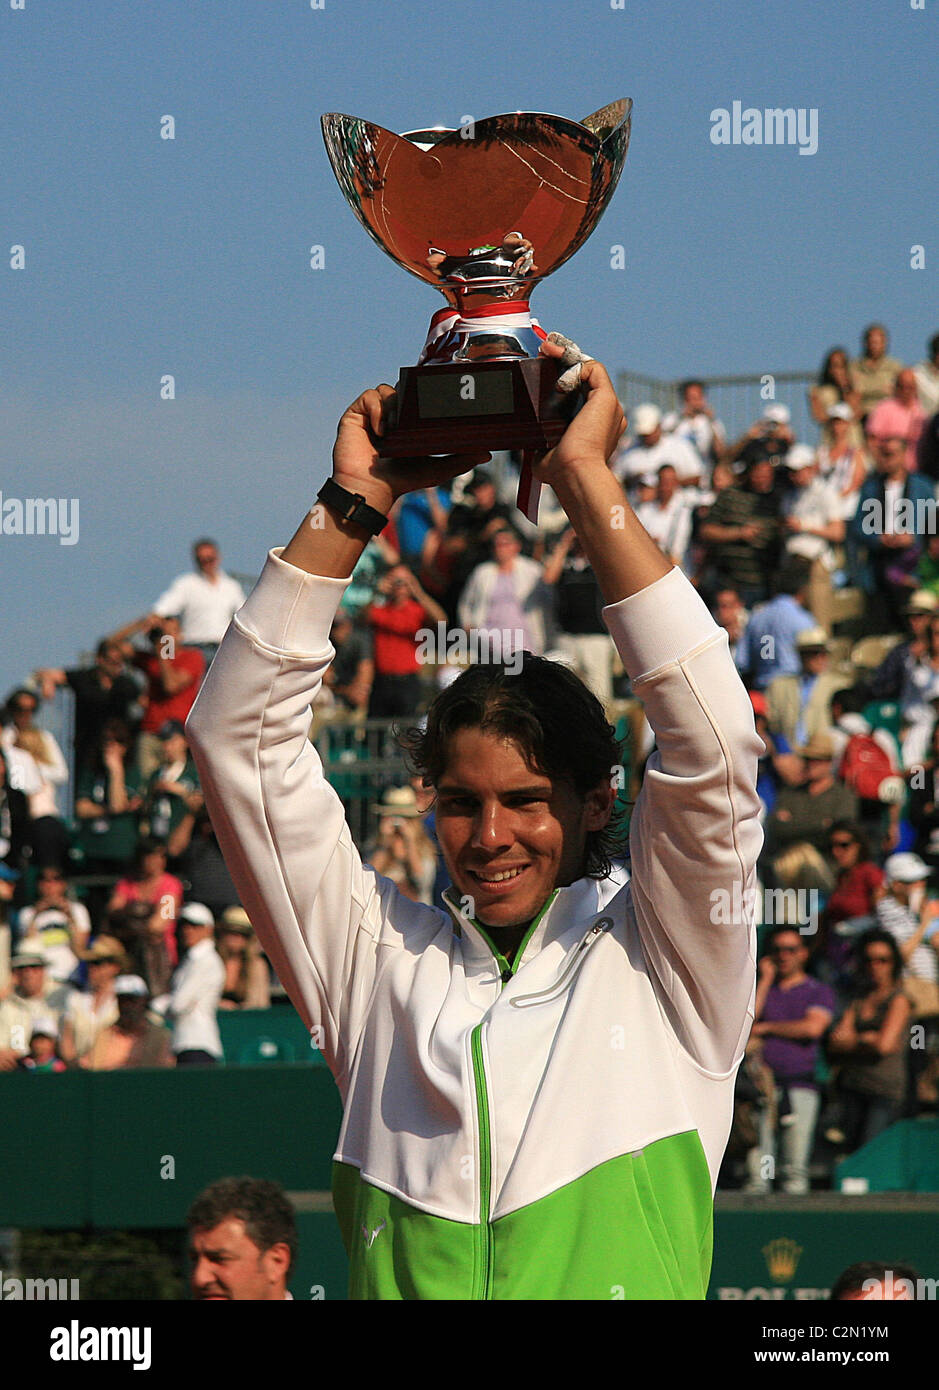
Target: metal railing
{"x":737,"y":401}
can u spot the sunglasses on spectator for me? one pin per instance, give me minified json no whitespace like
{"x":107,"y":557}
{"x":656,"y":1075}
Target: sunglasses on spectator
{"x":881,"y":960}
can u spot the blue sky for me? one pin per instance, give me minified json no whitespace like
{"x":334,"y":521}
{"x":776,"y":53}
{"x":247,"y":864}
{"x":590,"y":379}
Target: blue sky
{"x":147,"y":256}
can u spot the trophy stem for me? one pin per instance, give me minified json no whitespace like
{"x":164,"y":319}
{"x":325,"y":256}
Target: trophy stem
{"x":493,"y":332}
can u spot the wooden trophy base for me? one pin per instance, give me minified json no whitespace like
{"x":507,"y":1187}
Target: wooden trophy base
{"x":464,"y":407}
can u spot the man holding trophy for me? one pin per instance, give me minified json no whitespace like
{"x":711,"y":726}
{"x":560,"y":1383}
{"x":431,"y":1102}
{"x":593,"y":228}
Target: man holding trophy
{"x":537,"y":1085}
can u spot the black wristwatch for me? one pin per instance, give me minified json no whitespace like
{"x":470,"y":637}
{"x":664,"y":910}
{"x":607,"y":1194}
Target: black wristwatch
{"x":352,"y":506}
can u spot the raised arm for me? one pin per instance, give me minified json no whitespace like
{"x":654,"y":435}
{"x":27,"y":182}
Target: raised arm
{"x":694,"y":832}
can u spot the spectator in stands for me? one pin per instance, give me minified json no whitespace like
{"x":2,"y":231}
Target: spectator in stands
{"x":834,"y":392}
{"x":419,"y":514}
{"x":102,"y":692}
{"x":507,"y":598}
{"x":842,"y":462}
{"x":107,"y":800}
{"x":792,"y":1013}
{"x":900,"y":416}
{"x":173,"y":675}
{"x":193,"y":849}
{"x":14,"y":820}
{"x":90,"y":1011}
{"x":813,"y":522}
{"x":768,"y":439}
{"x":402,"y":850}
{"x":22,"y":733}
{"x":247,"y":977}
{"x":869,"y":1041}
{"x":34,"y":996}
{"x":730,"y":614}
{"x":917,"y":695}
{"x":927,"y":566}
{"x":56,"y":926}
{"x":851,"y":905}
{"x":149,"y":882}
{"x":204,"y":599}
{"x":742,"y":532}
{"x":805,"y":814}
{"x":696,"y":422}
{"x":582,"y":635}
{"x":43,"y":1049}
{"x":767,"y":648}
{"x":873,"y":373}
{"x":170,"y":786}
{"x":395,"y":623}
{"x":652,"y":448}
{"x":451,"y":555}
{"x":888,"y":680}
{"x":667,"y":516}
{"x":800,"y":705}
{"x":927,"y":378}
{"x":353,"y":667}
{"x":136,"y":1038}
{"x":195,"y":991}
{"x":243,"y":1241}
{"x":923,"y":803}
{"x":912,"y":919}
{"x":895,"y":510}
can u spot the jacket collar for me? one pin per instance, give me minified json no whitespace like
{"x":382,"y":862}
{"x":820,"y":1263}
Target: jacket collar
{"x":569,"y":911}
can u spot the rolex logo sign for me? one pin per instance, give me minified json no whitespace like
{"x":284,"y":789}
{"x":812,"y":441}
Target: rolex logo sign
{"x":782,"y":1257}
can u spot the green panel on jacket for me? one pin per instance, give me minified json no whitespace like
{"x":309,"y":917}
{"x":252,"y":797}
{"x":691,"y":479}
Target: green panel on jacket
{"x":636,"y":1227}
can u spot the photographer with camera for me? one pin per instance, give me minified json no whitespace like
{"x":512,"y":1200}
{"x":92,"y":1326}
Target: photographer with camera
{"x":173,"y":674}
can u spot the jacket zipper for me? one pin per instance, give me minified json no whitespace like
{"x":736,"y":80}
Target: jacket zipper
{"x":542,"y":996}
{"x":482,"y":1282}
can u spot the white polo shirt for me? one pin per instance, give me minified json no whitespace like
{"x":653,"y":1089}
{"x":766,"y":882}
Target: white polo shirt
{"x":205,"y":609}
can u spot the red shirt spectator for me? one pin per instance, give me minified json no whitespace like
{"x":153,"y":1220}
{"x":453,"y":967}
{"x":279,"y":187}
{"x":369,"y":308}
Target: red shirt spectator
{"x":174,"y":674}
{"x":395,"y":627}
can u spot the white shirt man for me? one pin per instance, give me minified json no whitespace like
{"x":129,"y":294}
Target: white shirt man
{"x":653,"y":449}
{"x":195,"y":991}
{"x":667,"y":518}
{"x":813,"y":505}
{"x":205,"y":599}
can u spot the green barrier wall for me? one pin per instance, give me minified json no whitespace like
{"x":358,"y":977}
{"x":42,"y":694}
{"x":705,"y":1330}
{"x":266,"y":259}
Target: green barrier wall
{"x":119,"y":1150}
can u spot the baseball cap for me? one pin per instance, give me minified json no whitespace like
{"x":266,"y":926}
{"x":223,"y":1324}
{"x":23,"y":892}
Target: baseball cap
{"x":778,"y":413}
{"x":169,"y":727}
{"x":197,"y":914}
{"x":236,"y":919}
{"x":799,"y":456}
{"x":105,"y":948}
{"x":647,"y":418}
{"x":27,"y":958}
{"x":905,"y":868}
{"x":811,"y":639}
{"x":840,"y":411}
{"x":44,"y":1027}
{"x":134,"y":985}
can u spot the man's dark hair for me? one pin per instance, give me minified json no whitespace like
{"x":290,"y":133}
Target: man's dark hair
{"x":107,"y":644}
{"x":934,"y":345}
{"x":853,"y":1279}
{"x":204,"y":540}
{"x":858,"y":834}
{"x":263,"y":1207}
{"x":778,"y":930}
{"x":793,"y":577}
{"x":851,"y":699}
{"x":559,"y":726}
{"x":684,"y":386}
{"x":877,"y":937}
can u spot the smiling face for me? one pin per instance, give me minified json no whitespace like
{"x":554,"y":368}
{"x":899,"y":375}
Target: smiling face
{"x":509,"y":835}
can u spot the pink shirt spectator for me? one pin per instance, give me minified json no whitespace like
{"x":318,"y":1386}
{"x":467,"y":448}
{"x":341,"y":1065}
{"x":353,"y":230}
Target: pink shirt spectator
{"x":168,"y":890}
{"x":891,"y":419}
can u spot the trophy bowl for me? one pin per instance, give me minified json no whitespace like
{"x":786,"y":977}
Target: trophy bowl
{"x":482,"y":213}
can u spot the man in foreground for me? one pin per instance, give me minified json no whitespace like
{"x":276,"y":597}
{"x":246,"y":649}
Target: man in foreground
{"x":242,"y":1241}
{"x":538,"y":1084}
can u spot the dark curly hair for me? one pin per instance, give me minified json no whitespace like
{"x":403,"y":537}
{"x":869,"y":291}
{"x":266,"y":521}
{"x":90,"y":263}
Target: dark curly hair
{"x":558,"y":725}
{"x":263,"y":1206}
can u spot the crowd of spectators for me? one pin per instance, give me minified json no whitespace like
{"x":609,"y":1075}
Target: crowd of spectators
{"x":820,"y":558}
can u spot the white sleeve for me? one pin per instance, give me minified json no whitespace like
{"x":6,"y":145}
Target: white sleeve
{"x":695,"y":832}
{"x":322,"y":916}
{"x":173,"y":599}
{"x":56,"y":770}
